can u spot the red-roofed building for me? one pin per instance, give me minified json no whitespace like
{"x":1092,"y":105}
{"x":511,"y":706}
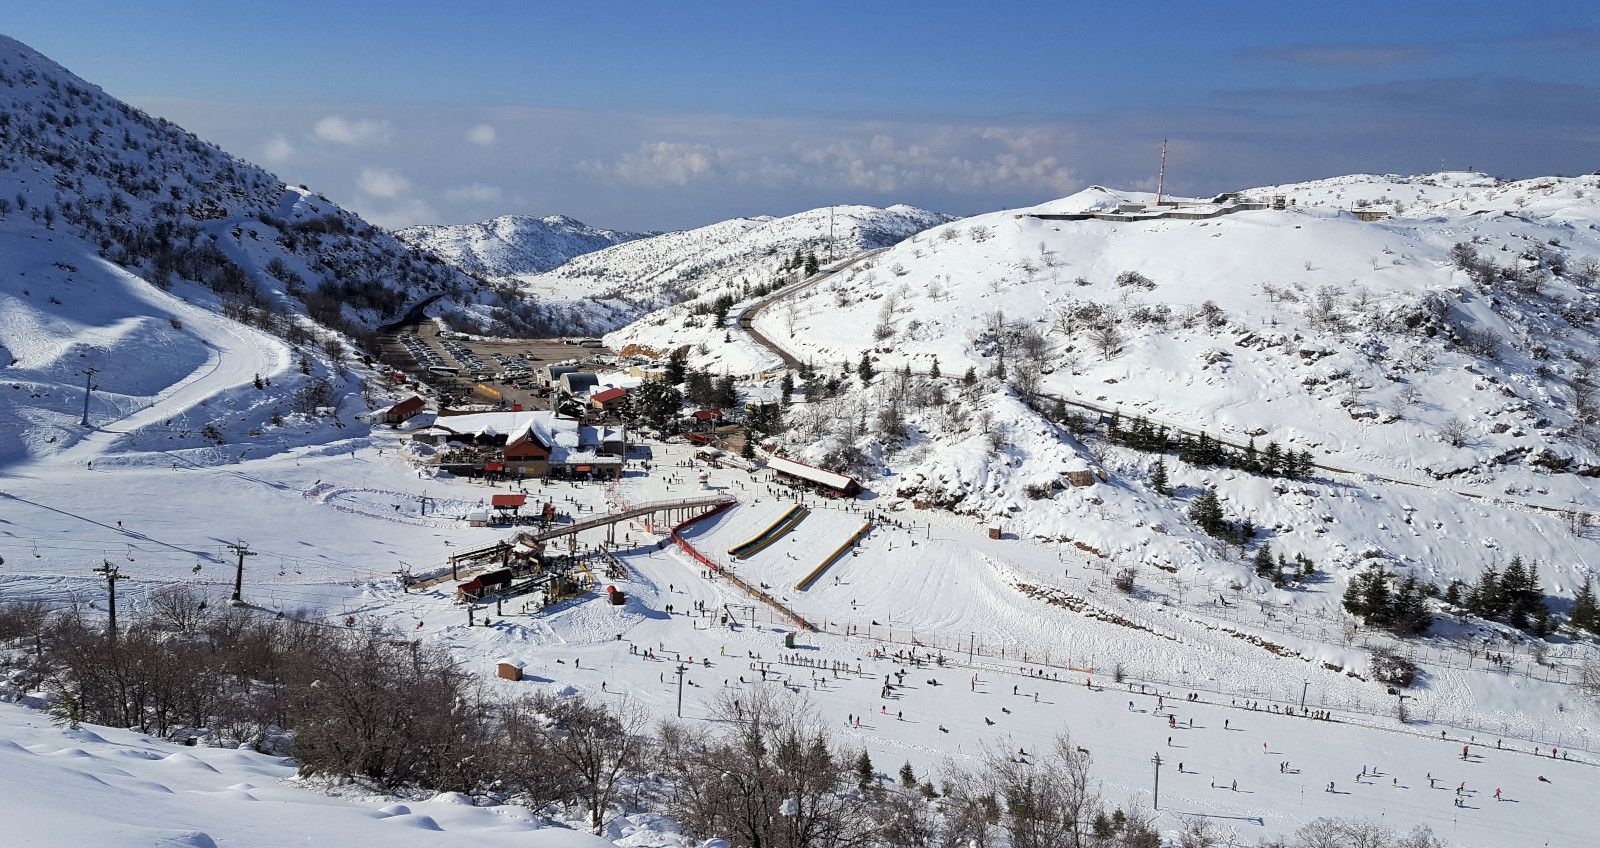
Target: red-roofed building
{"x":403,"y":411}
{"x":508,"y":503}
{"x":609,"y":399}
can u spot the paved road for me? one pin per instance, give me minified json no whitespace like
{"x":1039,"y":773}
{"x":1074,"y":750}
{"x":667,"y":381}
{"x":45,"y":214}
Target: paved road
{"x":748,"y":316}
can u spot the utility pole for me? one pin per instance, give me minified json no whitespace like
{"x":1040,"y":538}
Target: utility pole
{"x":88,"y":386}
{"x":1156,"y":804}
{"x":1303,"y":690}
{"x":1162,"y":178}
{"x":681,"y":670}
{"x":109,"y":572}
{"x":424,"y":499}
{"x":243,"y":550}
{"x":830,"y":234}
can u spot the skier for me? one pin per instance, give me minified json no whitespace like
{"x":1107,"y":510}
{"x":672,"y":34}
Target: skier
{"x":1497,"y":794}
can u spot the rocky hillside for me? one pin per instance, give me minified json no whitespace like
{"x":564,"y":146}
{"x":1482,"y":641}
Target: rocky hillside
{"x":153,"y":198}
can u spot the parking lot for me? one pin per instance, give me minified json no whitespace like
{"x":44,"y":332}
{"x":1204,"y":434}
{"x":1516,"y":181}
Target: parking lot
{"x":509,"y":367}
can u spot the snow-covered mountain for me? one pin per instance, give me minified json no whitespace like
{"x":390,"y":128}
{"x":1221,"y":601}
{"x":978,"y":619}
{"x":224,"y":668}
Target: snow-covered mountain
{"x":1437,"y":331}
{"x":513,"y":245}
{"x":609,"y":288}
{"x":153,"y":198}
{"x":202,"y":289}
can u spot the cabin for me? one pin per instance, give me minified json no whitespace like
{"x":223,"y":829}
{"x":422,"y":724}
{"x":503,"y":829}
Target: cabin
{"x":609,"y":399}
{"x":403,"y":411}
{"x":828,"y":482}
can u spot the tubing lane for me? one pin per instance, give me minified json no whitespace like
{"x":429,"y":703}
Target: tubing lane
{"x":832,"y":558}
{"x":789,"y":521}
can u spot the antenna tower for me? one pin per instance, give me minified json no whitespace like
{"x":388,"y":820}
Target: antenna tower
{"x":1162,"y":179}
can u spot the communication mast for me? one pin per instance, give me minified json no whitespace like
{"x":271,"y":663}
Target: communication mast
{"x":1162,"y":179}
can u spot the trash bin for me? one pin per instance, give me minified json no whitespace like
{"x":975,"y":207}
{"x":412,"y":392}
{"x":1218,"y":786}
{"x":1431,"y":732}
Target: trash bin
{"x":788,"y":640}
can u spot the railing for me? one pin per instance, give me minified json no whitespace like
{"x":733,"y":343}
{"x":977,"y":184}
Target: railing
{"x":677,"y":536}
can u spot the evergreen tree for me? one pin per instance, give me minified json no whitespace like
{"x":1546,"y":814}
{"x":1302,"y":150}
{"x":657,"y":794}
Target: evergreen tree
{"x":908,"y":778}
{"x":748,"y":450}
{"x":1059,"y":412}
{"x":1158,"y":478}
{"x":811,"y":265}
{"x":1513,"y":589}
{"x":1409,"y":613}
{"x":1266,"y":566}
{"x":933,"y":371}
{"x":1585,"y":617}
{"x":864,"y":772}
{"x":258,"y":383}
{"x":1272,"y":459}
{"x":1454,"y":594}
{"x":1484,"y":599}
{"x":305,"y":364}
{"x":1375,"y":598}
{"x":786,"y":388}
{"x":864,"y":370}
{"x":970,"y":378}
{"x":677,"y":366}
{"x":1206,"y":513}
{"x":1252,"y":460}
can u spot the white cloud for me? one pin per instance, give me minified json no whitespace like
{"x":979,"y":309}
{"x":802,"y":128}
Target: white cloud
{"x":277,"y":150}
{"x":394,"y":214}
{"x":381,"y":182}
{"x":335,"y":128}
{"x":482,"y":134}
{"x":658,"y":164}
{"x":474,"y":193}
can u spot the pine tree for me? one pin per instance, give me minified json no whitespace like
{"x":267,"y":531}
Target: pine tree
{"x":305,"y":364}
{"x":970,"y":378}
{"x":258,"y":383}
{"x":1485,"y":599}
{"x":1206,"y":512}
{"x":1513,"y":588}
{"x":748,"y":450}
{"x":1272,"y":459}
{"x":1409,"y":613}
{"x":933,"y":371}
{"x":1266,"y":566}
{"x":1375,"y":598}
{"x":1252,"y":460}
{"x":1585,"y":617}
{"x":864,"y":772}
{"x":1158,"y":479}
{"x":908,"y":778}
{"x":864,"y":370}
{"x":677,"y":366}
{"x":786,"y":388}
{"x":1059,"y":412}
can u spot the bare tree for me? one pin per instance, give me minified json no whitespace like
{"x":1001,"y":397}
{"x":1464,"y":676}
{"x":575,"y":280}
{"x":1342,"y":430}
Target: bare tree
{"x":1453,"y":431}
{"x":179,"y":607}
{"x":1107,"y":339}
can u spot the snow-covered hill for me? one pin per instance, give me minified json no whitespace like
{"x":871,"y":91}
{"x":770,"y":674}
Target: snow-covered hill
{"x":126,"y":789}
{"x":513,"y":245}
{"x":609,"y":288}
{"x":1378,"y":346}
{"x":215,"y":304}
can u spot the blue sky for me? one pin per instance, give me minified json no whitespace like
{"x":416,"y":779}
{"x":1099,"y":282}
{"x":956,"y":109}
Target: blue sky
{"x":667,"y":115}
